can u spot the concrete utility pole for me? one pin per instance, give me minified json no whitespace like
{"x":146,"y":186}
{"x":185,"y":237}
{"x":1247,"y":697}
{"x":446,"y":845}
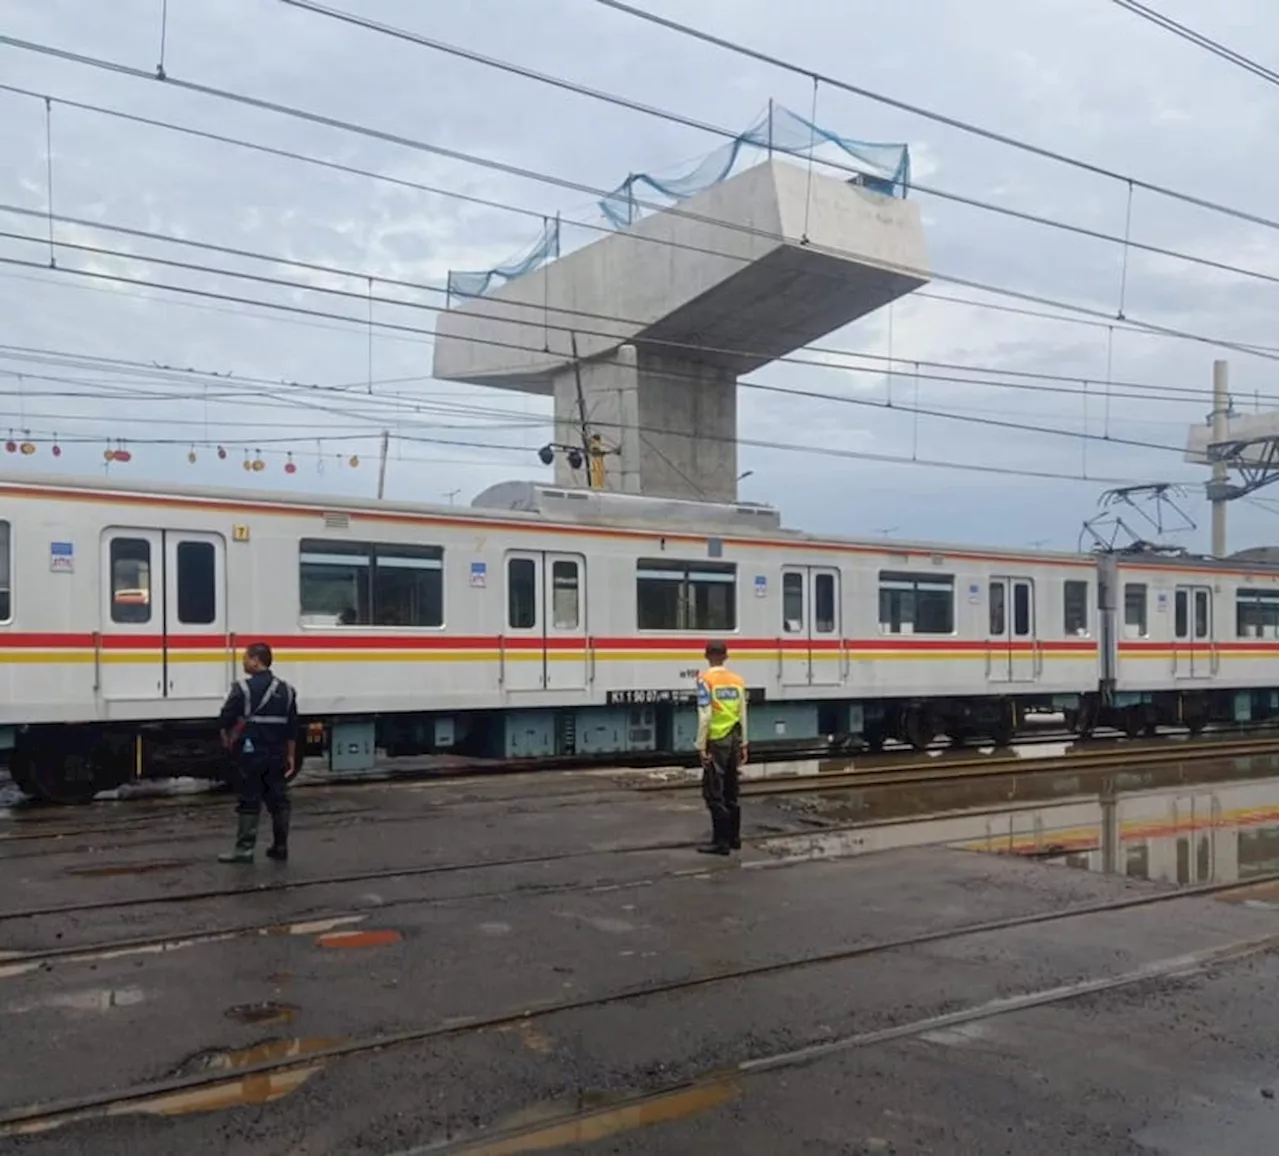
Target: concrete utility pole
{"x":1218,"y":504}
{"x":382,"y":463}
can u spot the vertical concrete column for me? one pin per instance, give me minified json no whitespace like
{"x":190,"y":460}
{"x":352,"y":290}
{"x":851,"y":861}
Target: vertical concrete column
{"x":610,"y":403}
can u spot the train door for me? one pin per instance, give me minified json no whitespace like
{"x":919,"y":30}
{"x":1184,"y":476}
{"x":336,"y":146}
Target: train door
{"x":545,"y":643}
{"x":195,"y":624}
{"x":163,"y":615}
{"x":131,"y":657}
{"x":811,"y":627}
{"x":1192,"y":631}
{"x":1011,"y":630}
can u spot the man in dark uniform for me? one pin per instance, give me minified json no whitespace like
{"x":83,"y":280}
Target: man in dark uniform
{"x":259,"y":724}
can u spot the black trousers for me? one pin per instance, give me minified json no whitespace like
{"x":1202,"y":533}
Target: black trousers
{"x":720,"y":788}
{"x":261,"y":779}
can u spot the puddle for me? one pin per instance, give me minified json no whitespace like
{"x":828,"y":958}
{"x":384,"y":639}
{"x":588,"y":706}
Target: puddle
{"x":234,"y":1092}
{"x":268,"y":1012}
{"x":358,"y":938}
{"x":1187,"y":834}
{"x":112,"y":870}
{"x":590,"y":1126}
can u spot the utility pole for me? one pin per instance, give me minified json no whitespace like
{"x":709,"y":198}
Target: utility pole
{"x":382,"y":463}
{"x":1218,"y":503}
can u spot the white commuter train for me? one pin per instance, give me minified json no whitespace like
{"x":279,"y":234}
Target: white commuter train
{"x":543,"y":622}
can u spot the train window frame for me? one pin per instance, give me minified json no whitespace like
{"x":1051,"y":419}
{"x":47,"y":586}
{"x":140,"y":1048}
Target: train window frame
{"x":561,"y":605}
{"x":692,"y":581}
{"x":206,"y":591}
{"x":892,"y":587}
{"x":1264,"y":599}
{"x":793,"y":599}
{"x":1143,"y":625}
{"x":521,"y":594}
{"x":826,"y":606}
{"x":125,"y":612}
{"x":371,"y":559}
{"x":6,"y":572}
{"x":1075,"y":619}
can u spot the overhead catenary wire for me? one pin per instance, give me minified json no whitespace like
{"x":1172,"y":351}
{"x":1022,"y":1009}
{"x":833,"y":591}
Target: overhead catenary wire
{"x":560,"y":82}
{"x":540,"y":216}
{"x":279,"y":282}
{"x":930,"y":114}
{"x":1214,"y":46}
{"x":1141,"y":390}
{"x":516,"y":170}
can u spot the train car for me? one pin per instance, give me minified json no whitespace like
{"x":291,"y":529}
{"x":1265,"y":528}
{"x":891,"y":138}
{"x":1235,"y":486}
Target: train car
{"x":1190,"y":641}
{"x":540,"y":622}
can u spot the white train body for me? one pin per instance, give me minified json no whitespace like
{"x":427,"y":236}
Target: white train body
{"x":571,"y":626}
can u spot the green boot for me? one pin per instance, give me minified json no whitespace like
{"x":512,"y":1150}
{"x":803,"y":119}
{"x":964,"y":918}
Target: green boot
{"x":246,"y":837}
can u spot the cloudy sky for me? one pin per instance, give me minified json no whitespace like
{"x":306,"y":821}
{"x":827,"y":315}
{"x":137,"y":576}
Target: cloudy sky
{"x":1082,"y":77}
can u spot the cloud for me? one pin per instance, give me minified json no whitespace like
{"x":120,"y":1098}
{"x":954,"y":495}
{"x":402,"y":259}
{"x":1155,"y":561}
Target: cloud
{"x":1087,"y":81}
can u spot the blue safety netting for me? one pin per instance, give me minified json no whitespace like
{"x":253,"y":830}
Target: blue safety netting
{"x":545,"y":248}
{"x":882,"y":168}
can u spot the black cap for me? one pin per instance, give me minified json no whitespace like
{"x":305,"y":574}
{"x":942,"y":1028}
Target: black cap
{"x":716,"y":649}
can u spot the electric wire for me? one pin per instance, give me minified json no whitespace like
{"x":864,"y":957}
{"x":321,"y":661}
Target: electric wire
{"x":493,"y":342}
{"x":929,"y":114}
{"x":516,"y":170}
{"x":1213,"y":46}
{"x":730,"y":134}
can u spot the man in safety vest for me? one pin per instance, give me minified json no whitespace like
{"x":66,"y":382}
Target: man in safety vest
{"x":722,"y":746}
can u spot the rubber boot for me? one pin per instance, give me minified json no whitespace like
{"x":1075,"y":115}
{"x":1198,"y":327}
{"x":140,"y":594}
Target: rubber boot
{"x":246,"y":837}
{"x":719,"y":844}
{"x":735,"y":828}
{"x":279,"y":849}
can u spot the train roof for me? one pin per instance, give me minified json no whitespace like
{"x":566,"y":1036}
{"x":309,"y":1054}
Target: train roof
{"x":539,"y":503}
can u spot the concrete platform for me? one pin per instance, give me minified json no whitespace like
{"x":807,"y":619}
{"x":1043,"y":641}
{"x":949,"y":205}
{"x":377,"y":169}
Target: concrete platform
{"x":552,"y":968}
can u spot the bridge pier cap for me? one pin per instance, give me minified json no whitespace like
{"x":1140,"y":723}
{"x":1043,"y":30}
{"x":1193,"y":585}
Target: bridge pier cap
{"x":667,"y":314}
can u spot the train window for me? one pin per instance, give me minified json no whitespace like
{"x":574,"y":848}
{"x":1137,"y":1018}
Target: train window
{"x":1181,"y":628}
{"x":6,"y":576}
{"x":364,"y":583}
{"x":130,"y":580}
{"x":197,"y":583}
{"x":522,"y":593}
{"x":1022,"y":609}
{"x":1256,"y":613}
{"x":408,"y":586}
{"x":824,"y":603}
{"x":1135,"y":610}
{"x":1075,"y":607}
{"x":995,"y":602}
{"x":792,"y":602}
{"x":686,"y":595}
{"x":916,"y":604}
{"x":565,"y":608}
{"x":1202,"y":613}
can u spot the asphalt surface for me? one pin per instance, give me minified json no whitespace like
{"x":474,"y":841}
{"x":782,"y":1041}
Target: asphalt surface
{"x":563,"y":973}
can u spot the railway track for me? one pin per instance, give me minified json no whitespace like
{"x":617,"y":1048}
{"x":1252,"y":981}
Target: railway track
{"x":216,"y":1087}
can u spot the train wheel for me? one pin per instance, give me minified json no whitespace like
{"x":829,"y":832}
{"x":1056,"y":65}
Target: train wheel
{"x":70,"y":772}
{"x":918,"y":727}
{"x":1134,"y":721}
{"x":1195,"y":713}
{"x":874,"y":736}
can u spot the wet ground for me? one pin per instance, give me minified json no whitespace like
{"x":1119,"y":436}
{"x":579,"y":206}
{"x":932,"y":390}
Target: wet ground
{"x":544,"y":964}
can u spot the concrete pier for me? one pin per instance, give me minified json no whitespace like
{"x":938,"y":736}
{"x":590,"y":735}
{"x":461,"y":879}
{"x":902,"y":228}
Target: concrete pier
{"x":668,"y":314}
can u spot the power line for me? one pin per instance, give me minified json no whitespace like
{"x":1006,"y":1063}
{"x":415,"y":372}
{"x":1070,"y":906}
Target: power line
{"x":1117,"y":389}
{"x":535,"y":214}
{"x":351,"y":295}
{"x":516,"y":170}
{"x":929,"y":114}
{"x":718,"y":130}
{"x":1214,"y":46}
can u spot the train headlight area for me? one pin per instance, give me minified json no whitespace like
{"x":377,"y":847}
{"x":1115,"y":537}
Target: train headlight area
{"x":531,"y":629}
